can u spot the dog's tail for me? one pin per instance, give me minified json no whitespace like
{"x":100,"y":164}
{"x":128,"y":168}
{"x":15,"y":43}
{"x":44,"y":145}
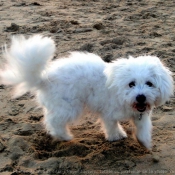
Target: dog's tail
{"x":26,"y":60}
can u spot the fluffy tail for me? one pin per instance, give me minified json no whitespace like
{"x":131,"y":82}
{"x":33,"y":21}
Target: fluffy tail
{"x":25,"y":62}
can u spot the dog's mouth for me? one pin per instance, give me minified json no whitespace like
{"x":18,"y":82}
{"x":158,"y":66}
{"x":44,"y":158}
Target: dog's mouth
{"x":141,"y":107}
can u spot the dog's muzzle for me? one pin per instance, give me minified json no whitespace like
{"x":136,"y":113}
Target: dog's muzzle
{"x":140,"y":104}
{"x":140,"y":107}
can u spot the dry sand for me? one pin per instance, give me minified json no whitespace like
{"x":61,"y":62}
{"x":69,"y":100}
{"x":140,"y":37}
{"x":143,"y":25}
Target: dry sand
{"x":112,"y":29}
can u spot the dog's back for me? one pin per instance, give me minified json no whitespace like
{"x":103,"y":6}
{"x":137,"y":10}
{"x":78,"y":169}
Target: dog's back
{"x":77,"y":80}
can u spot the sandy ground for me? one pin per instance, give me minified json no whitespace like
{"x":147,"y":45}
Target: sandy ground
{"x":112,"y":29}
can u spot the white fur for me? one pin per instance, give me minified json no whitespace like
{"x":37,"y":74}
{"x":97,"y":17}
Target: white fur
{"x":65,"y":86}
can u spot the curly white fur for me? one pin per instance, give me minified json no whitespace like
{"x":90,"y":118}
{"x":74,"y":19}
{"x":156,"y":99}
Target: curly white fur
{"x":123,"y":90}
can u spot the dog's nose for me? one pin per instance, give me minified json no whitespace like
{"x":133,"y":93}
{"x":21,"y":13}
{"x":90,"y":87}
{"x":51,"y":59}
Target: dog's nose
{"x":141,"y":98}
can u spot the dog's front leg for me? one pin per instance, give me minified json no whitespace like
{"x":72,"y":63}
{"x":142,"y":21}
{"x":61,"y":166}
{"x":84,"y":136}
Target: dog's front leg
{"x":143,"y":130}
{"x":113,"y":130}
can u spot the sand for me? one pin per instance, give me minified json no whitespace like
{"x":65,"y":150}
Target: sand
{"x":111,"y":29}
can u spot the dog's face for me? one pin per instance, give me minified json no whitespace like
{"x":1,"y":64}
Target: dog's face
{"x":141,"y":93}
{"x":140,"y":83}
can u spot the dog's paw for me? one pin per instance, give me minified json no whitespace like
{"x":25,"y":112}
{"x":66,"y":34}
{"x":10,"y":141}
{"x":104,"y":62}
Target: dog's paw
{"x":146,"y":143}
{"x":116,"y":136}
{"x":63,"y":136}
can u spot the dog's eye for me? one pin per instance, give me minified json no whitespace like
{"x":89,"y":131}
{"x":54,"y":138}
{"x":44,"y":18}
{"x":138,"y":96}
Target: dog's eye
{"x":149,"y":84}
{"x":132,"y":84}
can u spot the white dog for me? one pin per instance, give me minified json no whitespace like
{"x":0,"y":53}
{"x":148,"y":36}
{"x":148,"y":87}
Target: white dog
{"x":123,"y":90}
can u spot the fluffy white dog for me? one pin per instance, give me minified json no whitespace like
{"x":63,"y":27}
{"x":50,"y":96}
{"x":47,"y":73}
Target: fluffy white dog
{"x":127,"y":89}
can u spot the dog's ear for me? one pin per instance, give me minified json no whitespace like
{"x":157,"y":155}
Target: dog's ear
{"x":164,"y":82}
{"x":113,"y":72}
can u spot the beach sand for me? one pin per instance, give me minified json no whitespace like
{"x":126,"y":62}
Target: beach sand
{"x":111,"y":29}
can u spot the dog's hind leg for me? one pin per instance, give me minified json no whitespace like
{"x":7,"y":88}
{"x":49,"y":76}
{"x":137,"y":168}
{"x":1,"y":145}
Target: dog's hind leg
{"x":59,"y":114}
{"x":113,"y":130}
{"x":57,"y":127}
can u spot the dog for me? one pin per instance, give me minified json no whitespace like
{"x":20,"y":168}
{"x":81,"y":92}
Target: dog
{"x":126,"y":89}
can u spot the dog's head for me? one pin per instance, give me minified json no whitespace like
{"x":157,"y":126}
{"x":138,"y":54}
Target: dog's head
{"x":141,"y":82}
